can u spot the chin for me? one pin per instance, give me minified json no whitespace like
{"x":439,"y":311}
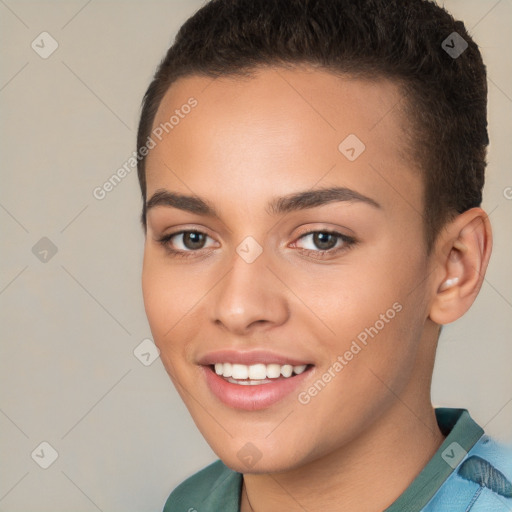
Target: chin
{"x":261,"y":466}
{"x":259,"y":457}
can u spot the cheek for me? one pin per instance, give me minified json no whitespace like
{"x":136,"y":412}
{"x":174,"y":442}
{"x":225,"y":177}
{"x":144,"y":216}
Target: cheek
{"x":160,"y":302}
{"x":153,"y":292}
{"x":172,"y":301}
{"x":164,"y":298}
{"x":374,"y":313}
{"x":346,"y":300}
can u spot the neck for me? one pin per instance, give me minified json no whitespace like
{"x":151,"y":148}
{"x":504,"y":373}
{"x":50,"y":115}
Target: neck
{"x":384,"y":460}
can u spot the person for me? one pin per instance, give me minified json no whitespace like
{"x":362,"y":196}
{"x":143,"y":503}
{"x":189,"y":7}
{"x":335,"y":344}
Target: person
{"x":312,"y":176}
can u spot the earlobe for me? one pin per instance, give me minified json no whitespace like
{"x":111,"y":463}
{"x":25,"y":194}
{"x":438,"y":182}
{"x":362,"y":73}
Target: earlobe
{"x":463,"y":254}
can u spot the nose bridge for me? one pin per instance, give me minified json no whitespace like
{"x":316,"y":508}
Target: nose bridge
{"x":249,"y":292}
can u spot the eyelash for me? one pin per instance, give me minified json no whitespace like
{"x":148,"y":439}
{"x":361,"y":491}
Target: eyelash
{"x":348,"y":243}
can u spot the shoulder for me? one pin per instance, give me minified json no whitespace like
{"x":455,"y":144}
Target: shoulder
{"x":215,"y":487}
{"x":482,"y":480}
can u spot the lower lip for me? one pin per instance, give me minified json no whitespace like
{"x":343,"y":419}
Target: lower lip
{"x":252,"y":398}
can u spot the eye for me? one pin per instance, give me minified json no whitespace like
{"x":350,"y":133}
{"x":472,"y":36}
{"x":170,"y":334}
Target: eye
{"x":186,"y":242}
{"x":325,"y":242}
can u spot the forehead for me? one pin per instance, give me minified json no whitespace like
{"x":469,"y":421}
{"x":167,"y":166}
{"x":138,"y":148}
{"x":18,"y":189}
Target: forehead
{"x":282,"y":128}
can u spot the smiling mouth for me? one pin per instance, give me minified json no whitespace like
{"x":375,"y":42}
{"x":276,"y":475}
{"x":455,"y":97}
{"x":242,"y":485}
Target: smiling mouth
{"x":256,"y":386}
{"x":256,"y":374}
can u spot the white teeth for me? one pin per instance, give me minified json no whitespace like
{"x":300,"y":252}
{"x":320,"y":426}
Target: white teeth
{"x":249,"y":382}
{"x":286,"y":370}
{"x":240,"y":371}
{"x":257,"y":373}
{"x":227,"y":370}
{"x":273,"y":371}
{"x":299,"y":369}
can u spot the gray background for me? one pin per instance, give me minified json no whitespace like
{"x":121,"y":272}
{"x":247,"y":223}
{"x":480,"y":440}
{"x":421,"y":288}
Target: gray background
{"x":71,"y":323}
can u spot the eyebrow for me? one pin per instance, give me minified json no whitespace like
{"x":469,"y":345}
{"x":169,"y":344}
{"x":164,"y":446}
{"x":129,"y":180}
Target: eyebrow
{"x":279,"y":205}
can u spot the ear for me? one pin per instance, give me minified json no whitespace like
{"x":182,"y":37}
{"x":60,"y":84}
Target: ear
{"x":462,"y":254}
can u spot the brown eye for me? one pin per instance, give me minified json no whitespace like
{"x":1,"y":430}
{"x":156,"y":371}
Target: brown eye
{"x":324,"y":241}
{"x":193,"y":240}
{"x":184,"y":243}
{"x":324,"y":244}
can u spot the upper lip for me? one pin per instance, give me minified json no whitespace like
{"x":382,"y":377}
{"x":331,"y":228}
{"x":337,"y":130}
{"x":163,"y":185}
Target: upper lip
{"x":248,"y":358}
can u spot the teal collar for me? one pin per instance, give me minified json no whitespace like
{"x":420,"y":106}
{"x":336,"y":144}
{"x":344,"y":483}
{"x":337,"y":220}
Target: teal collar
{"x":458,"y":427}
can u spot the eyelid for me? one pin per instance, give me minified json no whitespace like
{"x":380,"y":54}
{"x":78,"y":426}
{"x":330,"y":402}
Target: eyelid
{"x":166,"y":238}
{"x":347,"y":241}
{"x":322,"y":228}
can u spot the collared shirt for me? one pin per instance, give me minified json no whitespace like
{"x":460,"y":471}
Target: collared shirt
{"x":470,"y":472}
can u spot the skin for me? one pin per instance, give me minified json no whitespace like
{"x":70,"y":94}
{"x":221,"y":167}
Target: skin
{"x":251,"y":140}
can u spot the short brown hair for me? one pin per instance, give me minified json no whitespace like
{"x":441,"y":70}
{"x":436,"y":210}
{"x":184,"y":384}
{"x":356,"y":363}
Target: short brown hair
{"x":401,"y":40}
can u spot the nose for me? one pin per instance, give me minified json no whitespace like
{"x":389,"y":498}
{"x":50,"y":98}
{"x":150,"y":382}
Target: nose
{"x":249,"y":297}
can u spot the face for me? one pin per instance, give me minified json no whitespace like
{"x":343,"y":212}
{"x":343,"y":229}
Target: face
{"x":287,"y":291}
